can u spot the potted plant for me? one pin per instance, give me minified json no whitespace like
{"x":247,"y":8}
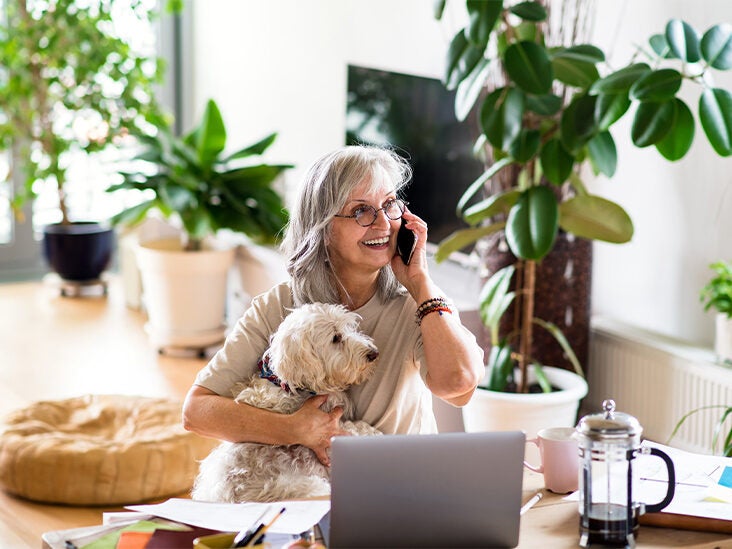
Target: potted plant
{"x":192,"y":181}
{"x":717,"y":294}
{"x":72,"y":83}
{"x":545,"y":113}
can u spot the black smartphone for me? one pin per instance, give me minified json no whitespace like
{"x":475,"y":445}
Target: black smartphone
{"x":406,"y":241}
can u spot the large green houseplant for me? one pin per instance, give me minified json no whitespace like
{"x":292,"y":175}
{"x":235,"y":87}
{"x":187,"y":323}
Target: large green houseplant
{"x":72,"y":83}
{"x":202,"y":190}
{"x":545,"y":114}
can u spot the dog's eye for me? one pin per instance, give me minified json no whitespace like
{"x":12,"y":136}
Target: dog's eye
{"x":337,"y":338}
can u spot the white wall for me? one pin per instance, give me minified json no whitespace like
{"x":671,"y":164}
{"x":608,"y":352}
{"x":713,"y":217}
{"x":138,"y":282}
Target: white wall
{"x":281,"y":65}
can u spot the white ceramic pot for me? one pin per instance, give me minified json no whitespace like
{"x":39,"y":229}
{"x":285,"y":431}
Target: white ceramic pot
{"x":184,"y":293}
{"x":496,"y":411}
{"x":723,"y":337}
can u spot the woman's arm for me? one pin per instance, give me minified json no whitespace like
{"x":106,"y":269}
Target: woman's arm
{"x":211,"y":415}
{"x":454,"y":359}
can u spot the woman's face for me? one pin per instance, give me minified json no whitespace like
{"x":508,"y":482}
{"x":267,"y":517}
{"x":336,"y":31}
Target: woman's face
{"x":351,"y":246}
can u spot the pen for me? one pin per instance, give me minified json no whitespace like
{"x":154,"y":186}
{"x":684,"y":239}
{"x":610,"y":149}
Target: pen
{"x":259,"y":532}
{"x":68,"y":544}
{"x":243,"y":537}
{"x":533,"y":501}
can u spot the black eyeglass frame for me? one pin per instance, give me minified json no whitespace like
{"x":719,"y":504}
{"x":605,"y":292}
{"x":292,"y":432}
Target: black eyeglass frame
{"x":376,"y":211}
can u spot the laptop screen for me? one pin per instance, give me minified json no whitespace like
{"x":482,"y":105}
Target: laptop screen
{"x":448,"y":490}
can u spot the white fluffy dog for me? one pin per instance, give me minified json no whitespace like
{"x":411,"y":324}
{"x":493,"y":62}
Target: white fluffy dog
{"x":316,"y":350}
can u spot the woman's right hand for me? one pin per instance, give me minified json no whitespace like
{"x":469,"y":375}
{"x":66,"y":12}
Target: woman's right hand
{"x":314,"y":428}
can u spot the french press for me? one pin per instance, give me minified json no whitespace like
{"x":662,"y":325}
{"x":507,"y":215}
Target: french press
{"x":608,"y":443}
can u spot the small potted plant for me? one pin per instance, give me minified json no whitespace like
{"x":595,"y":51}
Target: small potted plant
{"x":72,"y":83}
{"x":545,"y":112}
{"x":717,"y":294}
{"x":203,"y":191}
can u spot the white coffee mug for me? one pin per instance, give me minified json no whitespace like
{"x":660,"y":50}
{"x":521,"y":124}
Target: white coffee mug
{"x":559,"y":459}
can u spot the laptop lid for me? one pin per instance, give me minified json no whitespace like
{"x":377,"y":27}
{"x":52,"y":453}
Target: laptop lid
{"x":449,"y":490}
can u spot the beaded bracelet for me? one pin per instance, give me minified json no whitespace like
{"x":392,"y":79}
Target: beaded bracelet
{"x":435,"y":304}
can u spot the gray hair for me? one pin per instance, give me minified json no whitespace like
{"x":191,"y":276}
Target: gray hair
{"x":325,"y":190}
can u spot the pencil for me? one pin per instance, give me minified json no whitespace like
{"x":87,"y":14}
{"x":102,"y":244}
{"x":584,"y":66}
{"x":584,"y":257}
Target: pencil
{"x":533,"y":501}
{"x":244,"y":536}
{"x":259,"y":533}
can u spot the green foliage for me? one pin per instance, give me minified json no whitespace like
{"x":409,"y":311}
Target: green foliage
{"x":717,"y":293}
{"x":726,"y":440}
{"x":66,"y":66}
{"x":192,"y":179}
{"x":552,"y":112}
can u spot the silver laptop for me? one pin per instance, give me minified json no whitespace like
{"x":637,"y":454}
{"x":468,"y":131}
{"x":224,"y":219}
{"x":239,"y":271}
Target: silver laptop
{"x":449,"y":490}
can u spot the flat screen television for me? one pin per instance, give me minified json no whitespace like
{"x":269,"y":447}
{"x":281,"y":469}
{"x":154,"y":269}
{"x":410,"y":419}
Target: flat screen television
{"x":415,"y":115}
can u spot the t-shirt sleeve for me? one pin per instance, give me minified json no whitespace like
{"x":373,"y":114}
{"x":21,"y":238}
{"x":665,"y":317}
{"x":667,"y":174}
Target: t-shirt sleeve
{"x":246,"y":343}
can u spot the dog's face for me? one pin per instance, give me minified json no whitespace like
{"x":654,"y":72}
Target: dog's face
{"x":318,"y":347}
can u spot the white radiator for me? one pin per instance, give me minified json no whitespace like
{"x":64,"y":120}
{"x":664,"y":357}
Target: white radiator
{"x":658,"y":380}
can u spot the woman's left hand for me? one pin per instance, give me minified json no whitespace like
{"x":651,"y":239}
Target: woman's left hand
{"x":410,"y":276}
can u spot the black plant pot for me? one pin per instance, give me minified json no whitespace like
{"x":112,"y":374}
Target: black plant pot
{"x":78,"y":251}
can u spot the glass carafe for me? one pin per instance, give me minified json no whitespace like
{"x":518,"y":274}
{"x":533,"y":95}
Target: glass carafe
{"x":608,"y":443}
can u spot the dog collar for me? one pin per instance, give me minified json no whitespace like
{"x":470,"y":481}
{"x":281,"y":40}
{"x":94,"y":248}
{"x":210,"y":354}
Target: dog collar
{"x":265,"y":372}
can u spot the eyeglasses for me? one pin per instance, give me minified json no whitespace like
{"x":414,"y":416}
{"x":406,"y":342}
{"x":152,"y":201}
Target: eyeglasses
{"x":366,"y":215}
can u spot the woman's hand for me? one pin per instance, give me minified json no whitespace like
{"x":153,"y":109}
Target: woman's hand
{"x":314,"y":428}
{"x":413,"y":275}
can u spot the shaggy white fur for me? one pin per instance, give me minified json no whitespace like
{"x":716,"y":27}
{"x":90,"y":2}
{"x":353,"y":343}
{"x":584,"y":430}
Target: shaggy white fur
{"x":316,"y":350}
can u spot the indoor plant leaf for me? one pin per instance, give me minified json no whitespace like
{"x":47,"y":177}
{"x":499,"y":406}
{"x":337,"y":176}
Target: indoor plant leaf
{"x":530,"y":11}
{"x":525,"y":146}
{"x":495,"y":298}
{"x":680,"y":136}
{"x":255,"y":149}
{"x":652,"y":121}
{"x":659,"y":85}
{"x":603,"y":154}
{"x":462,"y":56}
{"x":715,"y":113}
{"x":501,"y":116}
{"x":483,"y":15}
{"x":476,"y":185}
{"x":620,"y":81}
{"x":556,"y":162}
{"x":609,"y":108}
{"x":574,"y":69}
{"x":659,"y":45}
{"x":578,"y":122}
{"x":464,"y":237}
{"x":532,"y":223}
{"x":470,"y":88}
{"x":209,"y":138}
{"x":683,"y":40}
{"x":499,"y":367}
{"x":545,"y":105}
{"x":716,"y":46}
{"x":594,"y":217}
{"x":501,"y":202}
{"x":528,"y":65}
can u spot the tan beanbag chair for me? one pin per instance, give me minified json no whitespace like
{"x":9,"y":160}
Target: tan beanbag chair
{"x":99,"y":450}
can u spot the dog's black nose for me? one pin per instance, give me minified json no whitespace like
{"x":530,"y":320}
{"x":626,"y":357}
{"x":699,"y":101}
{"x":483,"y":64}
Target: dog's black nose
{"x":372,"y":355}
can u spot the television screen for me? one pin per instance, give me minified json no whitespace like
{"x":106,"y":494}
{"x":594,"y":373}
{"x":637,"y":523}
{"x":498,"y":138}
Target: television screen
{"x":415,"y":115}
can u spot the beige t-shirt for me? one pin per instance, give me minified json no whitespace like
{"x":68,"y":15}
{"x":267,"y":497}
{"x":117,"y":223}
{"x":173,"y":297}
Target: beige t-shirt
{"x":394,"y":400}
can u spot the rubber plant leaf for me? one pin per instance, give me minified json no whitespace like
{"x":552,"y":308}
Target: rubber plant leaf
{"x":499,"y":367}
{"x":620,"y":81}
{"x":545,"y":105}
{"x":574,"y":67}
{"x":679,"y":138}
{"x":683,"y":40}
{"x":715,"y":113}
{"x":652,"y":121}
{"x":716,"y":47}
{"x":501,"y":116}
{"x":477,"y":185}
{"x":660,"y":85}
{"x":529,"y":67}
{"x":464,"y":237}
{"x":596,"y":218}
{"x":525,"y":146}
{"x":470,"y":88}
{"x":660,"y":46}
{"x":501,"y":202}
{"x":578,"y":123}
{"x":462,"y":56}
{"x":556,"y":162}
{"x":603,"y":154}
{"x":529,"y":11}
{"x":609,"y":108}
{"x":483,"y":15}
{"x":532,"y":224}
